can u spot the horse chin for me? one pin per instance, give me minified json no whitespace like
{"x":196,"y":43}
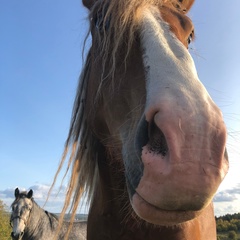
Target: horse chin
{"x":161,"y":217}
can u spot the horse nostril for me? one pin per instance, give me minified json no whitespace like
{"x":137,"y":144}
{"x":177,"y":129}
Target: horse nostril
{"x":14,"y":237}
{"x":17,"y":236}
{"x":157,"y":140}
{"x":149,"y":134}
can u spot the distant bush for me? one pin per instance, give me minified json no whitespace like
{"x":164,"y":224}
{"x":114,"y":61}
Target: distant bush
{"x":232,"y":235}
{"x":5,"y":229}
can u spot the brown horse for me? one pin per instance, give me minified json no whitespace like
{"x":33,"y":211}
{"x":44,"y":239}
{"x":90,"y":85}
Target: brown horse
{"x":147,"y":142}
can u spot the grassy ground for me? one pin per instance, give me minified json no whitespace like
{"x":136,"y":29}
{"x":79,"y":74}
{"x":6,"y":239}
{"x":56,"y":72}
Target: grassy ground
{"x":224,"y":236}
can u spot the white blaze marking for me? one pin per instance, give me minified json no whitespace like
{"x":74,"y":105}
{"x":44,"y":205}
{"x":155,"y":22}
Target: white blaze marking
{"x":167,"y":62}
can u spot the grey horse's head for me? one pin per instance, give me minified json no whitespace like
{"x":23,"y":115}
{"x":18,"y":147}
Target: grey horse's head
{"x":21,"y":209}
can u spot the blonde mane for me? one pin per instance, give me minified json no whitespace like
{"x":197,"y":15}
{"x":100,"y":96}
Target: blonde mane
{"x":120,"y":22}
{"x":81,"y":145}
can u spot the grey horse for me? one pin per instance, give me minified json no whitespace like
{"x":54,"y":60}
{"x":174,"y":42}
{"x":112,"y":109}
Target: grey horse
{"x":31,"y":222}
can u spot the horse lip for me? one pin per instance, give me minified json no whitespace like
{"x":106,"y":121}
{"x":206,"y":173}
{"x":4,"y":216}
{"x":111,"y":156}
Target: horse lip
{"x":186,"y":208}
{"x":161,"y":216}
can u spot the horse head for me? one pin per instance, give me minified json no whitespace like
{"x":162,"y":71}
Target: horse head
{"x":21,"y":209}
{"x":142,"y":119}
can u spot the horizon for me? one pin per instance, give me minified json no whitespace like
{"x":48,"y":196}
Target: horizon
{"x":55,"y":201}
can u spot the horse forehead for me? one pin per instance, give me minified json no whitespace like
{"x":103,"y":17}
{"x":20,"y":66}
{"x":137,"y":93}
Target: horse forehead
{"x":23,"y":201}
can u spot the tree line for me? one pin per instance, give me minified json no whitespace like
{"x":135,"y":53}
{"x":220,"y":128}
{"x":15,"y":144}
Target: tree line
{"x":228,"y":222}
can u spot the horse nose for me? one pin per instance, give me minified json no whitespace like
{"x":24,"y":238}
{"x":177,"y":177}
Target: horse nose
{"x":16,"y":236}
{"x":189,"y":134}
{"x":183,"y":157}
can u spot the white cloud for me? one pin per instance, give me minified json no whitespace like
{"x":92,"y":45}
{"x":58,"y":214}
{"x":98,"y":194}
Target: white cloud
{"x":223,"y":208}
{"x":225,"y":197}
{"x":228,"y":195}
{"x":227,"y":201}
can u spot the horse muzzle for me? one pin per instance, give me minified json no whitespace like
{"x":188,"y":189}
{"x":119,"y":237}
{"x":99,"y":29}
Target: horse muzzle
{"x":17,"y":236}
{"x":178,"y":162}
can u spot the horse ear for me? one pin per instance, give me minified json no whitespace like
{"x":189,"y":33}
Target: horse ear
{"x":88,"y":3}
{"x":186,"y":4}
{"x":16,"y":193}
{"x":30,"y":193}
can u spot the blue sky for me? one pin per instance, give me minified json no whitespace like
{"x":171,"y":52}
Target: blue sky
{"x":40,"y":61}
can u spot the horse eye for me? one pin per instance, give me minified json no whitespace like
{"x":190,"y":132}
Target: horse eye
{"x":190,"y":38}
{"x":25,"y":208}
